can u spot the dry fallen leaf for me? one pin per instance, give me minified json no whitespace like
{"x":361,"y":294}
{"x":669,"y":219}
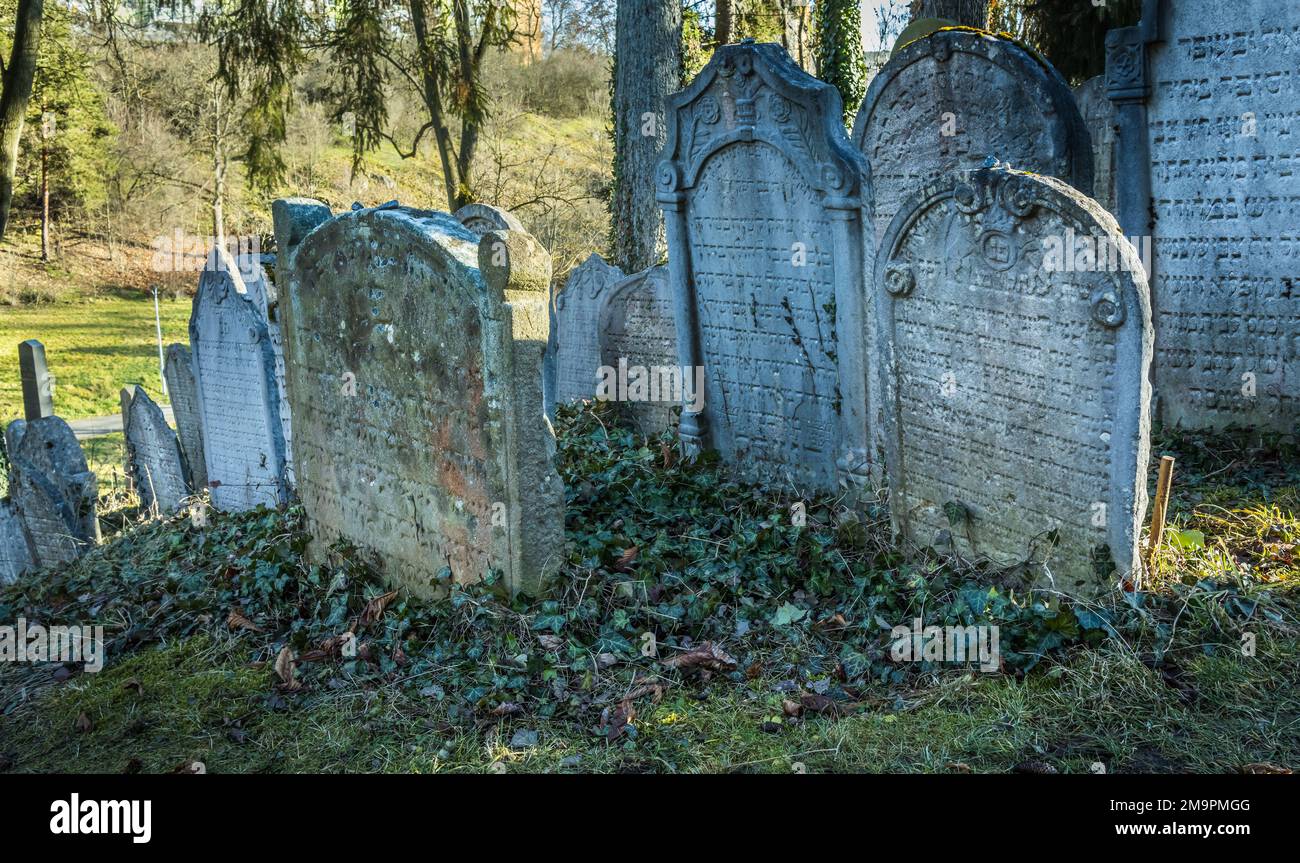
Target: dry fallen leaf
{"x":238,"y":621}
{"x":616,"y":722}
{"x":669,"y":454}
{"x":84,"y":725}
{"x":625,"y":560}
{"x":375,"y":608}
{"x":1265,"y":768}
{"x":791,"y":708}
{"x":705,"y":656}
{"x":134,"y":683}
{"x":284,"y":669}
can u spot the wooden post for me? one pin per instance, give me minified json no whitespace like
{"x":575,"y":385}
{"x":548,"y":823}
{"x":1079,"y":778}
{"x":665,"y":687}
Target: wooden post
{"x":1163,"y":482}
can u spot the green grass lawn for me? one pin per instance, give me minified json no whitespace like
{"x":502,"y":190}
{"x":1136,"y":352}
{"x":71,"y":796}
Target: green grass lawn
{"x":94,"y":348}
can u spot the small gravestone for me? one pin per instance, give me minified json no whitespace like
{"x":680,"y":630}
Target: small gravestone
{"x":575,"y":348}
{"x":155,"y":455}
{"x":761,"y":191}
{"x":239,"y":401}
{"x":15,"y":556}
{"x":638,"y":349}
{"x":38,"y":385}
{"x":49,"y":446}
{"x":482,"y":218}
{"x":415,"y":381}
{"x":1099,"y":116}
{"x":52,"y":529}
{"x":262,"y":293}
{"x":1014,"y":357}
{"x":1209,"y":104}
{"x":953,"y":100}
{"x":185,"y":410}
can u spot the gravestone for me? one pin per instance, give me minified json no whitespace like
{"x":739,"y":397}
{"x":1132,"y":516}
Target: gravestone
{"x":261,"y":291}
{"x":1098,"y":114}
{"x":1207,"y":96}
{"x":124,"y":401}
{"x":49,"y":447}
{"x":234,"y":376}
{"x":155,"y":456}
{"x":13,"y":435}
{"x":15,"y":557}
{"x":957,"y":98}
{"x":482,"y":218}
{"x":52,"y":529}
{"x":762,"y":197}
{"x":179,"y":373}
{"x":575,"y":347}
{"x":638,"y":343}
{"x":38,"y":385}
{"x":1014,"y":365}
{"x":415,"y":380}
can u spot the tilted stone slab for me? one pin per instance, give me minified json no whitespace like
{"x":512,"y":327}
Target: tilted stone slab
{"x":762,"y":196}
{"x":155,"y":456}
{"x":239,"y":401}
{"x":415,"y":381}
{"x":575,"y":346}
{"x":1016,"y":426}
{"x":49,"y":524}
{"x":638,"y":347}
{"x":179,"y":373}
{"x":49,"y":446}
{"x":957,"y":98}
{"x":15,"y":556}
{"x":1099,"y":116}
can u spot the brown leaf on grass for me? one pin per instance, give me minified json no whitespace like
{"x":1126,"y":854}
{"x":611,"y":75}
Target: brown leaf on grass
{"x":835,"y":621}
{"x":625,"y":560}
{"x":134,"y":683}
{"x":668,"y":453}
{"x":238,"y":621}
{"x":791,"y":708}
{"x":83,"y":724}
{"x":616,"y":721}
{"x":958,"y":767}
{"x":284,"y":670}
{"x":375,"y":608}
{"x":655,"y":689}
{"x":706,"y":656}
{"x":822,"y":704}
{"x":507,"y":708}
{"x":1264,"y":768}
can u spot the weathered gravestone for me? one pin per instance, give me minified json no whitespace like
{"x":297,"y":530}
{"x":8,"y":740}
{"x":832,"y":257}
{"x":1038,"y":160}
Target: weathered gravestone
{"x":155,"y":456}
{"x":575,"y":345}
{"x":49,"y":447}
{"x":482,"y":218}
{"x":1099,"y":116}
{"x":50,"y":526}
{"x":1208,"y":99}
{"x":761,"y":192}
{"x":14,"y":434}
{"x":262,"y":292}
{"x":38,"y":385}
{"x":15,"y":557}
{"x":638,"y":349}
{"x":415,"y":377}
{"x":239,"y":402}
{"x":179,"y":373}
{"x":1015,"y":380}
{"x":957,"y":98}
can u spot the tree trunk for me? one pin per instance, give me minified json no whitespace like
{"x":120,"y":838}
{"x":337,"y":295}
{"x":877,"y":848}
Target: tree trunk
{"x":45,"y":202}
{"x":647,"y":68}
{"x":722,"y":22}
{"x":972,"y":13}
{"x":15,"y":93}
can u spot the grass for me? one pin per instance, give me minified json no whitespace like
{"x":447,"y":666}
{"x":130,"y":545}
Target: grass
{"x":94,"y":348}
{"x":475,"y":683}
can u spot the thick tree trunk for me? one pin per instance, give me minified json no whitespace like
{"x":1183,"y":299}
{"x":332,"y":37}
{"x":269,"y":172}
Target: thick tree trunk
{"x":15,"y":93}
{"x":972,"y":13}
{"x":647,"y":68}
{"x":722,"y":22}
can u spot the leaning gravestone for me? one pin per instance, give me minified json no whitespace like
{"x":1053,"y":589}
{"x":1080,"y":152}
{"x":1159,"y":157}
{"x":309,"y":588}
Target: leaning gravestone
{"x":261,"y":291}
{"x":575,"y":348}
{"x":1208,"y":96}
{"x":415,"y":380}
{"x":638,"y":347}
{"x":15,"y":557}
{"x":239,"y":402}
{"x":52,"y":529}
{"x":482,"y":218}
{"x":185,"y":409}
{"x":155,"y":457}
{"x":49,"y":447}
{"x":1098,"y":114}
{"x":761,"y":192}
{"x":1015,"y":371}
{"x":38,"y":384}
{"x":954,"y":100}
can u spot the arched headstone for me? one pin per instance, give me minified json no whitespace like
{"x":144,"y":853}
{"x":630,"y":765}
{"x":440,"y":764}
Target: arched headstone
{"x":638,"y":348}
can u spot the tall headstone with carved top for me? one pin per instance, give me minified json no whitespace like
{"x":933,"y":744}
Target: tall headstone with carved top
{"x":762,"y":195}
{"x":1013,"y":371}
